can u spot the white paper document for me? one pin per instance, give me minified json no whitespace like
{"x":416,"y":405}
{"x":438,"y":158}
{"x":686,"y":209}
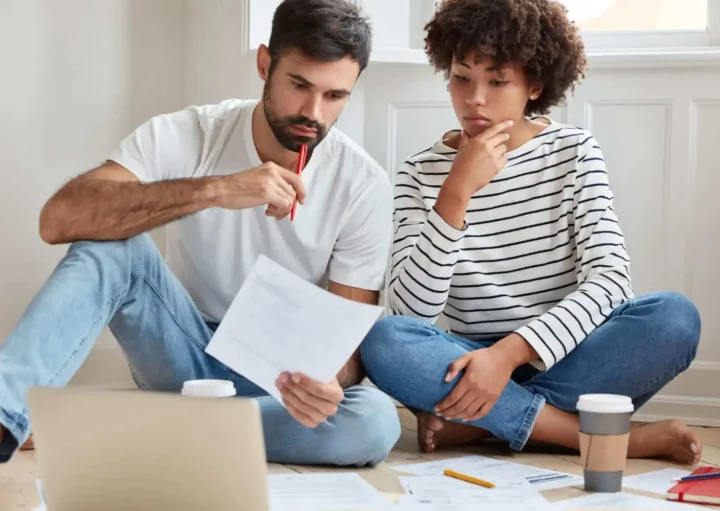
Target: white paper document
{"x":408,"y":503}
{"x":500,"y":473}
{"x":280,"y":322}
{"x":443,"y":490}
{"x":323,"y":492}
{"x":41,"y":494}
{"x":622,"y":501}
{"x":658,"y":481}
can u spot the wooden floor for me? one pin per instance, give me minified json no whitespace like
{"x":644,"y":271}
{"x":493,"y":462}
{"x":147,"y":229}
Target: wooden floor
{"x":18,"y":491}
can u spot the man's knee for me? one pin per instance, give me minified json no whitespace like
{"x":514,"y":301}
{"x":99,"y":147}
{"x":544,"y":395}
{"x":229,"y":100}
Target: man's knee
{"x":136,"y":245}
{"x":676,"y":321}
{"x":116,"y":253}
{"x":365,"y":429}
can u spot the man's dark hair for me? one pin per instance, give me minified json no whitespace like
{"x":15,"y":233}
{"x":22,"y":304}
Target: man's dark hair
{"x":324,"y":30}
{"x":536,"y":33}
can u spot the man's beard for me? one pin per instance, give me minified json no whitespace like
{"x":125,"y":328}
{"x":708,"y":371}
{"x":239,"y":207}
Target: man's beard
{"x":280,"y":126}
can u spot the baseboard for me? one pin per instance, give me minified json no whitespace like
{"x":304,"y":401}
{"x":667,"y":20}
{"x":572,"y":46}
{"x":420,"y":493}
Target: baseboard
{"x":689,"y":397}
{"x":695,"y":411}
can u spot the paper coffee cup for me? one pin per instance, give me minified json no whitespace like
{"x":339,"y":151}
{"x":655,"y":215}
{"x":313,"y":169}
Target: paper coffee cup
{"x":604,"y":438}
{"x":208,"y":388}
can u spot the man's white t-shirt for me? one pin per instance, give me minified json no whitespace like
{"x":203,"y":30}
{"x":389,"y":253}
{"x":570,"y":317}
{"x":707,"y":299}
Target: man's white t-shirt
{"x":342,"y":232}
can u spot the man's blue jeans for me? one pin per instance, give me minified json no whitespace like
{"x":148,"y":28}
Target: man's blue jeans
{"x":643,"y":345}
{"x":127,"y":285}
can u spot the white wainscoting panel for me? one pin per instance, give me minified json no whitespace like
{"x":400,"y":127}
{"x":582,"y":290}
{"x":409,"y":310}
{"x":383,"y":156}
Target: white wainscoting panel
{"x":704,"y":272}
{"x":638,"y":170}
{"x":426,"y":120}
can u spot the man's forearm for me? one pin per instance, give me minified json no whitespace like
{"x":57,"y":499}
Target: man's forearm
{"x":101,"y":209}
{"x":352,"y":373}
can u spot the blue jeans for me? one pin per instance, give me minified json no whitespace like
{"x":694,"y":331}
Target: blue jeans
{"x":127,"y":285}
{"x":644,"y":344}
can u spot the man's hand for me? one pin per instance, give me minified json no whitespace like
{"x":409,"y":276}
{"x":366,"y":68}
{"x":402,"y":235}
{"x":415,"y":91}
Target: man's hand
{"x":269,"y":184}
{"x":487,"y":373}
{"x":309,"y":401}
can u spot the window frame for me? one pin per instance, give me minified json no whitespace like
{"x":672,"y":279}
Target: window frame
{"x":655,"y":39}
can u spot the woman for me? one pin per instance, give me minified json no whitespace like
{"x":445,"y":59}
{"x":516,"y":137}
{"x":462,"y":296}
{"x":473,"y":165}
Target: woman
{"x":506,"y":228}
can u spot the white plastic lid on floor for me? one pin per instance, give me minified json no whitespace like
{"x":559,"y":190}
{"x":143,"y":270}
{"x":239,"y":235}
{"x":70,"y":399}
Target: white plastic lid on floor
{"x":208,"y":388}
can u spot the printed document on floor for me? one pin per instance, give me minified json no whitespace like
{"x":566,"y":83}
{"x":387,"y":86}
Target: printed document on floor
{"x":323,"y":492}
{"x":498,"y":472}
{"x":443,"y":490}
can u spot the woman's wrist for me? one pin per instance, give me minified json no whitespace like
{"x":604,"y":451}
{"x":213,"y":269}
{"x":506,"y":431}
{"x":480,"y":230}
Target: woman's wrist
{"x":515,"y":350}
{"x":452,"y":203}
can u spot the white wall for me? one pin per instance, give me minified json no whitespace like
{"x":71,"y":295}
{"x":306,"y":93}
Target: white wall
{"x":77,"y":76}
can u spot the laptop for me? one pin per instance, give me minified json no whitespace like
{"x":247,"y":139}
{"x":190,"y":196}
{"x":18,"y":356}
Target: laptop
{"x":120,"y":450}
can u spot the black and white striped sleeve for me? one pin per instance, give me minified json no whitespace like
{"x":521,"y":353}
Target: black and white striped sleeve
{"x":425,"y":250}
{"x":602,"y":265}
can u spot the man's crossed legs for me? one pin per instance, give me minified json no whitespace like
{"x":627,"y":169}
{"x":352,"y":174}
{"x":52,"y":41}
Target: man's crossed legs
{"x":127,"y":285}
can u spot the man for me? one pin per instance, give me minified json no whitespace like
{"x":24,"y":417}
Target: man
{"x":219,"y":176}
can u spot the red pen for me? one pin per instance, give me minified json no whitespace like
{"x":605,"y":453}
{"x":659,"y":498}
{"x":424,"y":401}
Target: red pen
{"x":302,"y":156}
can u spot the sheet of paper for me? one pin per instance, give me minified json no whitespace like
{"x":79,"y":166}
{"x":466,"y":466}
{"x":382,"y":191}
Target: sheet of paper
{"x":41,"y":494}
{"x":622,"y":501}
{"x":409,"y":503}
{"x":498,"y":472}
{"x":442,"y":490}
{"x":658,"y":481}
{"x":280,"y":322}
{"x":323,"y":492}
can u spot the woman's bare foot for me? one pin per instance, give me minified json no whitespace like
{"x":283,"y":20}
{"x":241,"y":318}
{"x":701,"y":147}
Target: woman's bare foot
{"x":665,"y":439}
{"x":434,"y":433}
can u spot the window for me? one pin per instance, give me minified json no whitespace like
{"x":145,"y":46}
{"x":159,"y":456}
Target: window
{"x":647,"y":23}
{"x":599,"y":15}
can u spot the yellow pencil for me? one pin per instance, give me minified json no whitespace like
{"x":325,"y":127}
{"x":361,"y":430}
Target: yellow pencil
{"x":468,"y":479}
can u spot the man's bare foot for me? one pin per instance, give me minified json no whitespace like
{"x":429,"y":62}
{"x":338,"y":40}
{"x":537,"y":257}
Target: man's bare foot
{"x":665,"y":439}
{"x":434,"y":433}
{"x":29,"y":445}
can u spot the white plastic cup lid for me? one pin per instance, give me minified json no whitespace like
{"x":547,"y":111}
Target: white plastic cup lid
{"x":208,"y":388}
{"x":605,"y":403}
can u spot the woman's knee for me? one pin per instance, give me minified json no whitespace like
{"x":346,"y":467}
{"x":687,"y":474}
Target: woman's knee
{"x":676,"y":321}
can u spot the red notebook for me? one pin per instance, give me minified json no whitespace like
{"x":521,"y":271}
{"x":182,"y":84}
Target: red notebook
{"x":698,"y":492}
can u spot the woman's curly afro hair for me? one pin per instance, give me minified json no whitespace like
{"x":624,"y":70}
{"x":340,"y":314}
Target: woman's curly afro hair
{"x":536,"y":33}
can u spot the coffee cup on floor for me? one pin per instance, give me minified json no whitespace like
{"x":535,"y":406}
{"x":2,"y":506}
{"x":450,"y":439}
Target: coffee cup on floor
{"x":604,"y":439}
{"x":208,"y":388}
